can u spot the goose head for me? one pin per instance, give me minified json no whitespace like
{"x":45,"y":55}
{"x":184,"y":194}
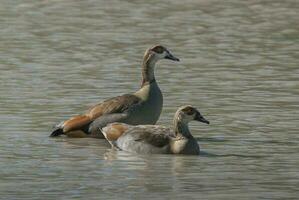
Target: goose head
{"x":189,"y":113}
{"x":159,"y":52}
{"x":151,"y":56}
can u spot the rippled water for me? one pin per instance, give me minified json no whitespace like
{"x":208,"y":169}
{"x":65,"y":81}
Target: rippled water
{"x":239,"y":65}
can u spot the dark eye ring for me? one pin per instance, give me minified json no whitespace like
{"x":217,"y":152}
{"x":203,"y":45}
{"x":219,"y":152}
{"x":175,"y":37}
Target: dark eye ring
{"x":189,"y":111}
{"x":158,"y":49}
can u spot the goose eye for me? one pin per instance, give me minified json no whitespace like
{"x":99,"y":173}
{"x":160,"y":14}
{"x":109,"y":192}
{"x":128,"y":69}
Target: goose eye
{"x":189,"y":111}
{"x":158,"y":49}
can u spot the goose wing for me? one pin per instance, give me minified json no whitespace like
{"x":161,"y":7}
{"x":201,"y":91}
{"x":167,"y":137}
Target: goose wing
{"x":115,"y":105}
{"x":141,"y":138}
{"x":157,"y":136}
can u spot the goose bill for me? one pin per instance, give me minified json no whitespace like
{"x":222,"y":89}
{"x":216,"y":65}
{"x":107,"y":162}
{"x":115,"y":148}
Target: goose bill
{"x":171,"y":57}
{"x":200,"y":118}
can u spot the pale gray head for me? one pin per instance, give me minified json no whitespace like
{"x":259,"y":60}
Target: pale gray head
{"x":188,"y":113}
{"x":159,"y":52}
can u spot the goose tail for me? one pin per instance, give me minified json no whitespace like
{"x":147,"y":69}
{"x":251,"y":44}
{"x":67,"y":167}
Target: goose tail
{"x":57,"y":132}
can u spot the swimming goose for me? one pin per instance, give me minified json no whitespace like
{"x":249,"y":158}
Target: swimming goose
{"x":141,"y":107}
{"x":157,"y":139}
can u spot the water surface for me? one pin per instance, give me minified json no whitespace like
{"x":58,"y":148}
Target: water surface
{"x":239,"y":66}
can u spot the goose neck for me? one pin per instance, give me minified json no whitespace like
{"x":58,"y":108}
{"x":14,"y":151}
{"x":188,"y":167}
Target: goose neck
{"x":148,"y":70}
{"x":181,"y":127}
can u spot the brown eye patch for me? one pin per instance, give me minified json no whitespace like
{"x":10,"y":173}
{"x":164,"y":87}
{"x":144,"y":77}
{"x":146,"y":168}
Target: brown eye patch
{"x":189,"y":110}
{"x":158,"y":49}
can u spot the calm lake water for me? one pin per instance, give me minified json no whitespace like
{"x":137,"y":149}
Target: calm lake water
{"x":239,"y":66}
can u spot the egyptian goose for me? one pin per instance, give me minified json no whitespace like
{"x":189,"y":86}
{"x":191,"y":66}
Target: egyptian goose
{"x":147,"y":139}
{"x":141,"y":107}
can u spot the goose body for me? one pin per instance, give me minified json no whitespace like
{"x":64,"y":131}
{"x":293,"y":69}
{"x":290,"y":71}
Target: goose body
{"x":141,"y":107}
{"x":147,"y":139}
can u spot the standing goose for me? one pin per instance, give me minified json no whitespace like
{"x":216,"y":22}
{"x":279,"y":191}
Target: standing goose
{"x":141,"y":107}
{"x":157,"y":139}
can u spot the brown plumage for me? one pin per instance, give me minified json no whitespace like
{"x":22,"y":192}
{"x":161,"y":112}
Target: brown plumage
{"x":114,"y":105}
{"x":157,"y":140}
{"x":115,"y":131}
{"x":78,"y":125}
{"x":75,"y":123}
